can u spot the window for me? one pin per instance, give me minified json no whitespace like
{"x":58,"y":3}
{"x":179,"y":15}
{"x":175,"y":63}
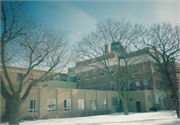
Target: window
{"x":93,"y":74}
{"x":146,"y":85}
{"x":67,"y":105}
{"x":87,"y":87}
{"x":155,"y":67}
{"x":111,"y":70}
{"x":149,"y":98}
{"x":94,"y":87}
{"x":93,"y":104}
{"x":33,"y":106}
{"x":131,"y":86}
{"x":51,"y":105}
{"x":45,"y":85}
{"x":79,"y":77}
{"x":157,"y":84}
{"x":114,"y":101}
{"x":81,"y":104}
{"x":56,"y":78}
{"x":104,"y":104}
{"x":112,"y":87}
{"x":102,"y":86}
{"x":72,"y":79}
{"x":137,"y":85}
{"x":20,"y":75}
{"x":101,"y":73}
{"x":87,"y":75}
{"x":161,"y":84}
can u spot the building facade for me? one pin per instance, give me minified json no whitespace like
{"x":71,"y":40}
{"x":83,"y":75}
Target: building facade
{"x":146,"y":75}
{"x":44,"y":102}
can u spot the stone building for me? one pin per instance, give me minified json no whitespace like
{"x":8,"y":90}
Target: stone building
{"x":144,"y":77}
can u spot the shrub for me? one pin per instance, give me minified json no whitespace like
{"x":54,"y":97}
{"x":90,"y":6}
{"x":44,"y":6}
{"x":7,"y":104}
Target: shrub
{"x":153,"y":109}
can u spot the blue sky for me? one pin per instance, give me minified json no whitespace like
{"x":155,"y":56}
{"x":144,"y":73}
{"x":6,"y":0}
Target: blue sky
{"x":80,"y":17}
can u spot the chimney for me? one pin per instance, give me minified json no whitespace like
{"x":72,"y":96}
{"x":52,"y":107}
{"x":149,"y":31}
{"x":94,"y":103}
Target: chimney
{"x":107,"y":48}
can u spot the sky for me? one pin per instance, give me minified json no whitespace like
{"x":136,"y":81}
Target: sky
{"x":80,"y":17}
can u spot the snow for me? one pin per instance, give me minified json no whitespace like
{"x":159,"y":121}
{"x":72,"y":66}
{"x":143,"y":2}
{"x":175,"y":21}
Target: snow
{"x":147,"y":118}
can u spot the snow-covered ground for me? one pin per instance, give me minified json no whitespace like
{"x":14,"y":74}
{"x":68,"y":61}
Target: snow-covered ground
{"x":148,"y":118}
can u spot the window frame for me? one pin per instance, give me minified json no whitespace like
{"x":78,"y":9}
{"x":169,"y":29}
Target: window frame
{"x":146,"y":85}
{"x":101,"y":72}
{"x":114,"y":101}
{"x":52,"y":107}
{"x":102,"y":86}
{"x":67,"y":108}
{"x":87,"y":87}
{"x":94,"y":87}
{"x":104,"y":106}
{"x":112,"y":87}
{"x":111,"y":70}
{"x":86,"y":75}
{"x":95,"y":104}
{"x":79,"y":106}
{"x":35,"y":107}
{"x":93,"y":74}
{"x":137,"y":85}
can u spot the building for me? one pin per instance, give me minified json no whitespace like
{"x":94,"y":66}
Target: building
{"x":16,"y":74}
{"x":45,"y":102}
{"x":49,"y":100}
{"x":145,"y":77}
{"x":94,"y":92}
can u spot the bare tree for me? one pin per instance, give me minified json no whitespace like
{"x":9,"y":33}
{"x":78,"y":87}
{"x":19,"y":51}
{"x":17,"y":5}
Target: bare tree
{"x":92,"y":47}
{"x":34,"y":46}
{"x":164,"y":40}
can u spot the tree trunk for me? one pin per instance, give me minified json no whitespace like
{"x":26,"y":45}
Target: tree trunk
{"x":175,"y":100}
{"x":13,"y":113}
{"x":124,"y":102}
{"x":125,"y":107}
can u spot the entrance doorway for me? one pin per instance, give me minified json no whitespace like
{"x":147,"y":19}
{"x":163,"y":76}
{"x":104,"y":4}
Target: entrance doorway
{"x":138,"y":106}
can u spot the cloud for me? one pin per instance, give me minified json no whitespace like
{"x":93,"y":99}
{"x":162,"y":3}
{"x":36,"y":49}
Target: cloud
{"x":79,"y":19}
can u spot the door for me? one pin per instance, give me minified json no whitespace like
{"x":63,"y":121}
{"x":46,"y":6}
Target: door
{"x":138,"y":106}
{"x":120,"y":106}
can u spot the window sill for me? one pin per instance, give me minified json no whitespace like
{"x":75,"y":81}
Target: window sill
{"x":33,"y":112}
{"x":51,"y":111}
